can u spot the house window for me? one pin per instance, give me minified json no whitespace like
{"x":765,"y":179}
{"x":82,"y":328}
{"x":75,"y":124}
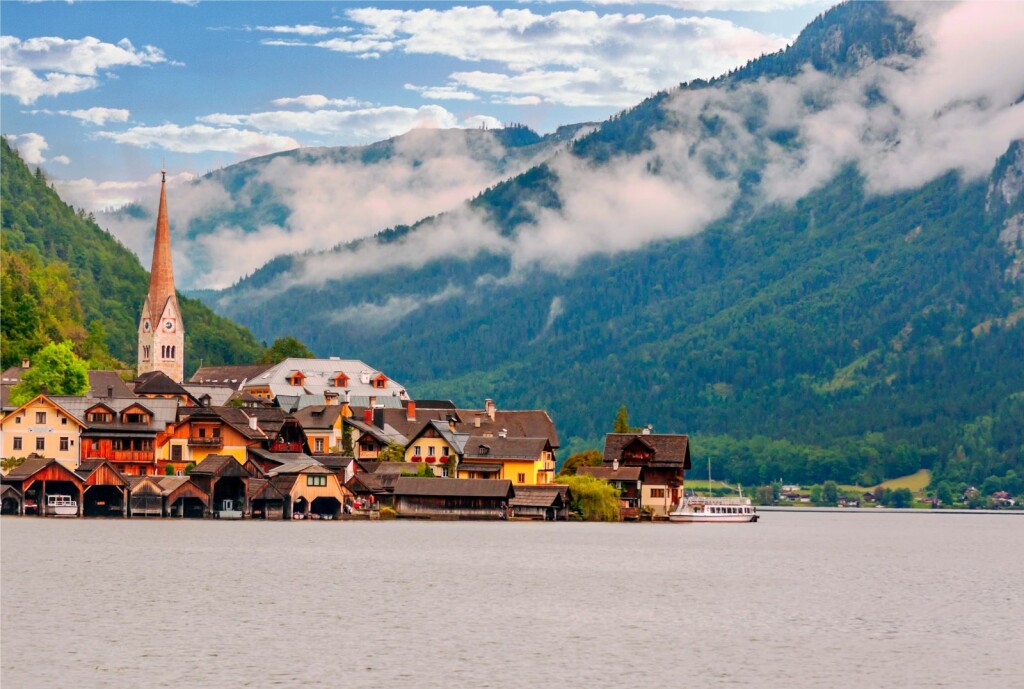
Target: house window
{"x":417,"y":451}
{"x":657,"y":492}
{"x":366,"y":447}
{"x":17,"y":419}
{"x":202,"y":432}
{"x":431,"y":450}
{"x":521,"y":478}
{"x":316,"y":480}
{"x":319,"y":445}
{"x":40,"y":417}
{"x":175,"y":453}
{"x":444,"y":472}
{"x":65,"y":444}
{"x":445,"y":451}
{"x":17,"y":443}
{"x":99,"y":417}
{"x":145,"y":352}
{"x":41,"y":443}
{"x":135,"y":418}
{"x":216,"y":432}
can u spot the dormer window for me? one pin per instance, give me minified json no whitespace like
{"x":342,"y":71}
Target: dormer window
{"x":340,"y":381}
{"x":380,"y":382}
{"x":99,"y":417}
{"x":296,"y":378}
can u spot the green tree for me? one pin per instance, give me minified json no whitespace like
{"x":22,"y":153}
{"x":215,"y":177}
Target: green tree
{"x":169,"y":470}
{"x":285,"y":348}
{"x":55,"y":367}
{"x":830,"y":493}
{"x":764,"y":495}
{"x":347,"y":450}
{"x":594,"y":499}
{"x":394,"y":452}
{"x":621,"y":424}
{"x":945,"y":494}
{"x":816,"y":494}
{"x":587,"y":458}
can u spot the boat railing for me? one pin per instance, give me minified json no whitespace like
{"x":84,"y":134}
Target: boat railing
{"x":718,"y":501}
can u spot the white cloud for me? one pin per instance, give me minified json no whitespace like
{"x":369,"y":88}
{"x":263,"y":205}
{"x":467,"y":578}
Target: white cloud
{"x":441,"y":92}
{"x":714,"y":5}
{"x":567,"y":57}
{"x":303,"y":29}
{"x":62,"y":160}
{"x":199,"y":138}
{"x":317,"y":101}
{"x":98,"y":116}
{"x":362,"y":125}
{"x":99,"y":195}
{"x":30,"y":146}
{"x":50,"y":65}
{"x":393,"y":309}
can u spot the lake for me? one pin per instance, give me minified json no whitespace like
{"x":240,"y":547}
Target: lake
{"x":797,"y":600}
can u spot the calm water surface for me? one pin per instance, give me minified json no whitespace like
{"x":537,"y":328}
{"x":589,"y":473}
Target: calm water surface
{"x":798,"y":600}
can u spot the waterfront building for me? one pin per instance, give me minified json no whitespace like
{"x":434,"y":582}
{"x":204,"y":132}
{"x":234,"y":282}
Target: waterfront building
{"x":662,"y":458}
{"x":43,"y":427}
{"x":161,"y":330}
{"x":524,"y":461}
{"x":453,"y":499}
{"x":351,"y":380}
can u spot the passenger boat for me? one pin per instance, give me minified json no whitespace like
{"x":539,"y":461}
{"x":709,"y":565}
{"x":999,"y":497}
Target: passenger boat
{"x":695,"y":509}
{"x":61,"y":506}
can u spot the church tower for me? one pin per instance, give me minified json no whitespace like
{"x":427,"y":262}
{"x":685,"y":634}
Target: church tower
{"x":161,"y":332}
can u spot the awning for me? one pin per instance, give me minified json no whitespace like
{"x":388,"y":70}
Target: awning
{"x":480,"y":468}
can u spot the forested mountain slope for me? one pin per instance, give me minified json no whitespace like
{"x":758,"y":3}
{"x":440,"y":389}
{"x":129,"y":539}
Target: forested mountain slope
{"x":725,"y":265}
{"x":65,"y":278}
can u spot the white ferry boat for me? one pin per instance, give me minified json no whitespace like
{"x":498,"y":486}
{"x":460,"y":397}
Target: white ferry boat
{"x":695,"y":509}
{"x":61,"y":506}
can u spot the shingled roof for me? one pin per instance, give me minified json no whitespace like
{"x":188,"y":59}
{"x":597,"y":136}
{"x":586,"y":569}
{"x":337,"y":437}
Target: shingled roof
{"x":479,"y":447}
{"x":454,"y":487}
{"x":668,"y":449}
{"x":230,"y":376}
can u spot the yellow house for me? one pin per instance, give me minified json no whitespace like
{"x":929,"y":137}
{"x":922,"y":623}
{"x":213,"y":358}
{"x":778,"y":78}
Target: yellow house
{"x":524,"y":461}
{"x":205,"y":431}
{"x":436,"y":445}
{"x":309,"y":489}
{"x":43,"y":427}
{"x":322,"y":425}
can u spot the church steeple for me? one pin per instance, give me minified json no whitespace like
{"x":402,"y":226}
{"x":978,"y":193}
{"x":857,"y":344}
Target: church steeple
{"x":161,"y":275}
{"x":161,"y":332}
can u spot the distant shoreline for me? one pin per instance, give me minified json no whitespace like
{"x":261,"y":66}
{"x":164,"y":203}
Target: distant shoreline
{"x":886,"y":510}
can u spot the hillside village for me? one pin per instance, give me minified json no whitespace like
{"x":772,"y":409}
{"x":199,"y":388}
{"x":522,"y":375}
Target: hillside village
{"x":302,"y":438}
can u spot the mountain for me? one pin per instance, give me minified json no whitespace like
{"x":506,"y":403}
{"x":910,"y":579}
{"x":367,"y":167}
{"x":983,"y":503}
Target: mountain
{"x":65,"y":278}
{"x":317,"y":198}
{"x":795,"y":262}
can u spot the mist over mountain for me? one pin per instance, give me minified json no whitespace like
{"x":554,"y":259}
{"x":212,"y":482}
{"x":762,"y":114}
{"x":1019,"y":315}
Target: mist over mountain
{"x":822,"y":247}
{"x":316,"y":198}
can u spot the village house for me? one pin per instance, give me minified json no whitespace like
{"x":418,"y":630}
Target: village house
{"x":524,"y":461}
{"x":627,"y":480}
{"x":544,"y":502}
{"x":122,"y":430}
{"x":438,"y":445}
{"x":202,"y":431}
{"x":662,"y":458}
{"x":352,"y":380}
{"x":310,"y":489}
{"x":166,"y":496}
{"x":41,"y":426}
{"x":232,"y":377}
{"x":322,"y":426}
{"x":226,"y":482}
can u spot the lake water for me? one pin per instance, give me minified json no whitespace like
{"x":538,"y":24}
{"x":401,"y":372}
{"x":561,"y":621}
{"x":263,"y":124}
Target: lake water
{"x":797,"y":600}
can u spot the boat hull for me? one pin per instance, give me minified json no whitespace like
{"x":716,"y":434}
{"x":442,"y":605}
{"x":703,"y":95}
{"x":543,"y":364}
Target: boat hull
{"x":712,"y":518}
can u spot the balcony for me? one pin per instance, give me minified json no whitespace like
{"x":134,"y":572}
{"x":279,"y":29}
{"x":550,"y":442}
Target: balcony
{"x":201,"y":441}
{"x":121,"y":455}
{"x":279,"y":446}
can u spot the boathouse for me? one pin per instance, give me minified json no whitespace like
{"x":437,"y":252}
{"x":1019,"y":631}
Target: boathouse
{"x":37,"y":478}
{"x":453,"y":498}
{"x":226,"y":482}
{"x":166,"y":496}
{"x":547,"y":503}
{"x":105,"y":492}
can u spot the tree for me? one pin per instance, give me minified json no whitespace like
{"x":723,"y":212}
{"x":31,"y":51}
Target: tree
{"x":56,"y":368}
{"x":830,"y":493}
{"x":394,"y":452}
{"x":347,"y":450}
{"x":594,"y":499}
{"x":286,"y":348}
{"x":169,"y":470}
{"x":764,"y":495}
{"x":816,"y":495}
{"x":621,"y":424}
{"x":587,"y":458}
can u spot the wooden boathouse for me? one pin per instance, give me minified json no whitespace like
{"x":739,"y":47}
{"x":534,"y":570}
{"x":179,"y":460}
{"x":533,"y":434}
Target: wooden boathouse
{"x":453,"y":498}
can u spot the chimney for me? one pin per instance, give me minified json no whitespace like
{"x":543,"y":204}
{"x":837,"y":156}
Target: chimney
{"x":110,"y":391}
{"x":348,"y":396}
{"x":368,"y":416}
{"x":253,"y":424}
{"x":451,"y":423}
{"x":364,"y":377}
{"x":378,"y":417}
{"x":476,"y":420}
{"x":615,"y":464}
{"x":490,"y":408}
{"x":648,"y":429}
{"x":25,"y":363}
{"x":410,"y":410}
{"x":503,"y":433}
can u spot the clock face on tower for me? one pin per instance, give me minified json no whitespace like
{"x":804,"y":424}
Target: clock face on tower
{"x":168,"y":326}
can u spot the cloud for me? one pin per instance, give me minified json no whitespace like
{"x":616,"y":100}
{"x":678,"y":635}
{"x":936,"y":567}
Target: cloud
{"x":97,"y":116}
{"x":570,"y":57}
{"x":361,"y":125}
{"x":394,"y":309}
{"x":99,"y":195}
{"x":903,"y":121}
{"x":199,"y":138}
{"x":30,"y":146}
{"x":317,"y":102}
{"x":303,"y":29}
{"x":441,"y":92}
{"x":50,"y":65}
{"x":63,"y":160}
{"x":714,"y":5}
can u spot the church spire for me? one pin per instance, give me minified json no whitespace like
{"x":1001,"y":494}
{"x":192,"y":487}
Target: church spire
{"x":161,"y":276}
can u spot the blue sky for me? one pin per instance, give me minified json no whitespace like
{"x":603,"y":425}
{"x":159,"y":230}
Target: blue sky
{"x":101,"y":94}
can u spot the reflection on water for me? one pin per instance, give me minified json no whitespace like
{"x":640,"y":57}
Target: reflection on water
{"x":798,"y":600}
